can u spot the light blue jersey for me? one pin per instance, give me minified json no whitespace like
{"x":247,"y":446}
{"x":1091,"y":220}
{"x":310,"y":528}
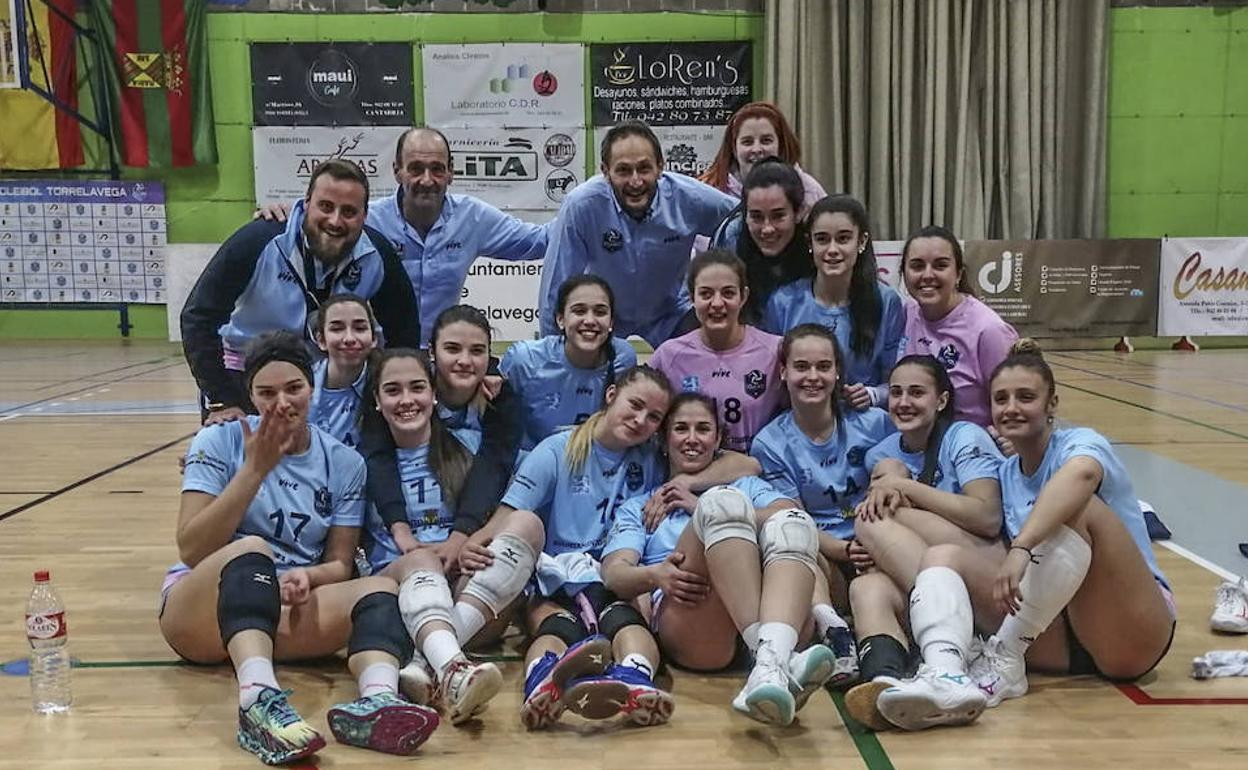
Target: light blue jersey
{"x":428,"y":514}
{"x":829,"y":479}
{"x":629,"y":531}
{"x":1019,"y":491}
{"x":337,"y":410}
{"x":298,"y":501}
{"x":795,"y":303}
{"x":464,"y":424}
{"x":438,"y":262}
{"x":645,"y":261}
{"x":967,"y":453}
{"x":553,"y":393}
{"x":579,"y":509}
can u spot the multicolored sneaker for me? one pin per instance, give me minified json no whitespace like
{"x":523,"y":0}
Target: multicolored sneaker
{"x":274,"y":731}
{"x":383,"y":722}
{"x":467,"y":687}
{"x":997,"y":674}
{"x":622,"y":690}
{"x":845,"y":670}
{"x":544,"y":686}
{"x":932,"y":698}
{"x":810,"y":670}
{"x":768,"y":694}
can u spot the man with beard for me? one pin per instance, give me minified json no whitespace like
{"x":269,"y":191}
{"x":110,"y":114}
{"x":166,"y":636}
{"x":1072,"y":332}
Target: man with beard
{"x":634,"y":226}
{"x":271,"y":276}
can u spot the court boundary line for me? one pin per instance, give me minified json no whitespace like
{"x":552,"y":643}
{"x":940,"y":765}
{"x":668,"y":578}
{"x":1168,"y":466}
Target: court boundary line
{"x":19,"y":409}
{"x":866,"y":741}
{"x":1178,"y":417}
{"x":1157,"y":388}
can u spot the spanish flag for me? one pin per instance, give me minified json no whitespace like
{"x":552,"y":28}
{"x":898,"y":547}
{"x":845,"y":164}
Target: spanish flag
{"x":34,"y":134}
{"x":156,"y":65}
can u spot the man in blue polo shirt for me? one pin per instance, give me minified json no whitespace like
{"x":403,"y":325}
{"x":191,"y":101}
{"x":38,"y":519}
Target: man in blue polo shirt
{"x":271,"y":276}
{"x":634,"y":226}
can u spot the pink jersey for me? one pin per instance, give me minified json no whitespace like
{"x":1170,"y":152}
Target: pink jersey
{"x":744,"y":381}
{"x":970,"y":341}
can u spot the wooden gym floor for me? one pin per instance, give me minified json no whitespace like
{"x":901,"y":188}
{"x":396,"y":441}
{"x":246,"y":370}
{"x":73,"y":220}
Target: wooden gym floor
{"x":89,"y":440}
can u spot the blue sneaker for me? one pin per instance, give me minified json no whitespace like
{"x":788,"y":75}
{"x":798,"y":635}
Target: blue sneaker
{"x":274,"y":731}
{"x":544,"y":686}
{"x":383,"y":722}
{"x":619,"y":690}
{"x":845,"y":670}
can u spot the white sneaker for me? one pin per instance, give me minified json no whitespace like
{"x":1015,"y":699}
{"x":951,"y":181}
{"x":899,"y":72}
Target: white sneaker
{"x":1230,"y":608}
{"x":416,"y":681}
{"x":467,"y":688}
{"x":932,"y":698}
{"x":809,"y":670}
{"x":766,"y":695}
{"x":998,"y":675}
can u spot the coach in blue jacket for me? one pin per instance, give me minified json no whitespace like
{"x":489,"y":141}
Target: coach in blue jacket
{"x":272,"y":275}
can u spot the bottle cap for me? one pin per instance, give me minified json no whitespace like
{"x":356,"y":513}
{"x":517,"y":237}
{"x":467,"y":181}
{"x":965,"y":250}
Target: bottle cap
{"x":42,"y":576}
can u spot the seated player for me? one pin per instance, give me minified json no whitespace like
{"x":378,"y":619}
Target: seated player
{"x":345,"y":333}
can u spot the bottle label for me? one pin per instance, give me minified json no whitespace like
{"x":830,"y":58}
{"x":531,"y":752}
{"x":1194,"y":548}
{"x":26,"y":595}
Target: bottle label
{"x":48,"y":626}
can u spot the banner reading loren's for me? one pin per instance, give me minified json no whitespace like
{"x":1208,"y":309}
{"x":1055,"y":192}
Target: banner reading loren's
{"x":670,"y":84}
{"x":1068,"y":288}
{"x":1204,"y":287}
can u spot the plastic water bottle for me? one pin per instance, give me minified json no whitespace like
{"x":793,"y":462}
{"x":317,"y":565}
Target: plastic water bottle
{"x":49,"y":655}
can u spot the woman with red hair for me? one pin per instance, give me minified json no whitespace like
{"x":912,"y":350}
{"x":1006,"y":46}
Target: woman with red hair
{"x":757,"y":131}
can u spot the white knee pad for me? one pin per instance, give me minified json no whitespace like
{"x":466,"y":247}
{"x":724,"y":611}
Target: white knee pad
{"x":501,"y":582}
{"x":424,"y":596}
{"x":724,"y":513}
{"x":791,"y":535}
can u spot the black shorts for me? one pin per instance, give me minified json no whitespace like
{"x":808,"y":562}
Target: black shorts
{"x":1081,"y":661}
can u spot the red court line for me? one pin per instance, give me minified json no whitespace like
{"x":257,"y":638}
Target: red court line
{"x":1141,"y":698}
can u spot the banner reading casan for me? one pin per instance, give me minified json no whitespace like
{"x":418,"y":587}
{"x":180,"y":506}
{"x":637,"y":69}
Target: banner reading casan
{"x":504,"y":84}
{"x":1204,"y":287}
{"x":1068,"y":288}
{"x":284,"y":157}
{"x":517,"y":168}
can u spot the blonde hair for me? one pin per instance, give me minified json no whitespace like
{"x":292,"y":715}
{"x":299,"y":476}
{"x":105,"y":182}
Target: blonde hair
{"x":577,"y":450}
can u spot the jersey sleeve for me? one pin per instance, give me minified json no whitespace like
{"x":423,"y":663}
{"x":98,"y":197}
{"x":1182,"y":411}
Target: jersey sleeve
{"x":761,"y":493}
{"x":775,"y":470}
{"x":533,"y":486}
{"x":625,"y":355}
{"x":660,"y":360}
{"x":508,"y":237}
{"x":628,"y":533}
{"x":975,"y":454}
{"x":210,"y":460}
{"x":881,"y":451}
{"x":994,"y":344}
{"x":773,"y":320}
{"x":1084,"y":442}
{"x":348,"y":503}
{"x":714,"y":205}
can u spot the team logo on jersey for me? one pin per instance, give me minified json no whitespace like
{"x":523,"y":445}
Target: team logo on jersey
{"x":323,"y":501}
{"x":579,"y":485}
{"x":633,"y":476}
{"x":755,"y":383}
{"x":613,"y":240}
{"x":948,"y":355}
{"x":856,"y":456}
{"x":806,"y":476}
{"x":351,"y":279}
{"x":690,"y":384}
{"x":551,"y":401}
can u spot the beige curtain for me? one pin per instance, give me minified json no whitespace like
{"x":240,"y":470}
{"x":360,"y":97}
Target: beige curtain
{"x":986,"y":116}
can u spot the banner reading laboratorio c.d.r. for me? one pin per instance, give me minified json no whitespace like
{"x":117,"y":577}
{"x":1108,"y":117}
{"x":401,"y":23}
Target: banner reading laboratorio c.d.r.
{"x":1072,"y":288}
{"x":1204,"y":287}
{"x":519,"y":85}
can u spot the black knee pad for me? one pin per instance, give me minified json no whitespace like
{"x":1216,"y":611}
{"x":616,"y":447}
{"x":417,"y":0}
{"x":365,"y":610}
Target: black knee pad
{"x":377,"y":625}
{"x":562,"y":625}
{"x":617,"y":617}
{"x":248,"y":596}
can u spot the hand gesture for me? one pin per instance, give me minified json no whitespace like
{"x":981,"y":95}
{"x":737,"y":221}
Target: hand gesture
{"x":475,"y":556}
{"x":687,"y":588}
{"x":295,"y":586}
{"x":675,"y":495}
{"x":265,"y":446}
{"x":857,"y":396}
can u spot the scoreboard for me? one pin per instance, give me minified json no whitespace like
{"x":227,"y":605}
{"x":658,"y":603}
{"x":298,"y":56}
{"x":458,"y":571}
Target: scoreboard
{"x":70,"y":241}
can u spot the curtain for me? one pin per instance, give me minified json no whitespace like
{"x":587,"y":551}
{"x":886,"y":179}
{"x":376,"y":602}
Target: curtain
{"x":986,"y":116}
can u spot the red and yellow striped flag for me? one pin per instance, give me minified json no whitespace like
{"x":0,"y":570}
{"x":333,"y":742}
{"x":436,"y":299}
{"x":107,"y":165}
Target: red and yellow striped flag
{"x":157,"y":71}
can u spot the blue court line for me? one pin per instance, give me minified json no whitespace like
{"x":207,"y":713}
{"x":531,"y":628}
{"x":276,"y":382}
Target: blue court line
{"x":1159,"y":389}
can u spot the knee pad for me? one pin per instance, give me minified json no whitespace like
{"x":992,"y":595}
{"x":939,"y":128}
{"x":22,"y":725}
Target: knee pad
{"x":424,"y":596}
{"x":377,"y":625}
{"x":618,"y":616}
{"x":724,"y":513}
{"x":248,"y":596}
{"x":564,"y":626}
{"x":792,"y":535}
{"x":501,"y":582}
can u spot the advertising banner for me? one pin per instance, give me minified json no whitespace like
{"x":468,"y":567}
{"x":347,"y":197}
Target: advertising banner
{"x":332,"y":84}
{"x":1204,"y":287}
{"x":670,"y":84}
{"x":507,"y":293}
{"x":284,"y":157}
{"x":526,"y":85}
{"x":1072,"y":288}
{"x":687,"y":150}
{"x":517,"y":168}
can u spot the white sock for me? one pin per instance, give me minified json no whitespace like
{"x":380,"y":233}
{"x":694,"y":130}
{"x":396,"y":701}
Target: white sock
{"x":1220,"y":663}
{"x":1058,"y":568}
{"x":379,"y":678}
{"x":781,"y":638}
{"x":254,"y":674}
{"x":468,"y":621}
{"x":440,"y":647}
{"x":941,"y":619}
{"x":826,"y":617}
{"x":639,"y":662}
{"x":750,"y":636}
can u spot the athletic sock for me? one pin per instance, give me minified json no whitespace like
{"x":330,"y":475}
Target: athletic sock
{"x":1058,"y":567}
{"x":826,"y":617}
{"x":940,"y":616}
{"x":379,"y":678}
{"x":254,"y":674}
{"x":781,"y":638}
{"x":639,"y":662}
{"x":440,"y":647}
{"x":750,"y":636}
{"x":467,"y":619}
